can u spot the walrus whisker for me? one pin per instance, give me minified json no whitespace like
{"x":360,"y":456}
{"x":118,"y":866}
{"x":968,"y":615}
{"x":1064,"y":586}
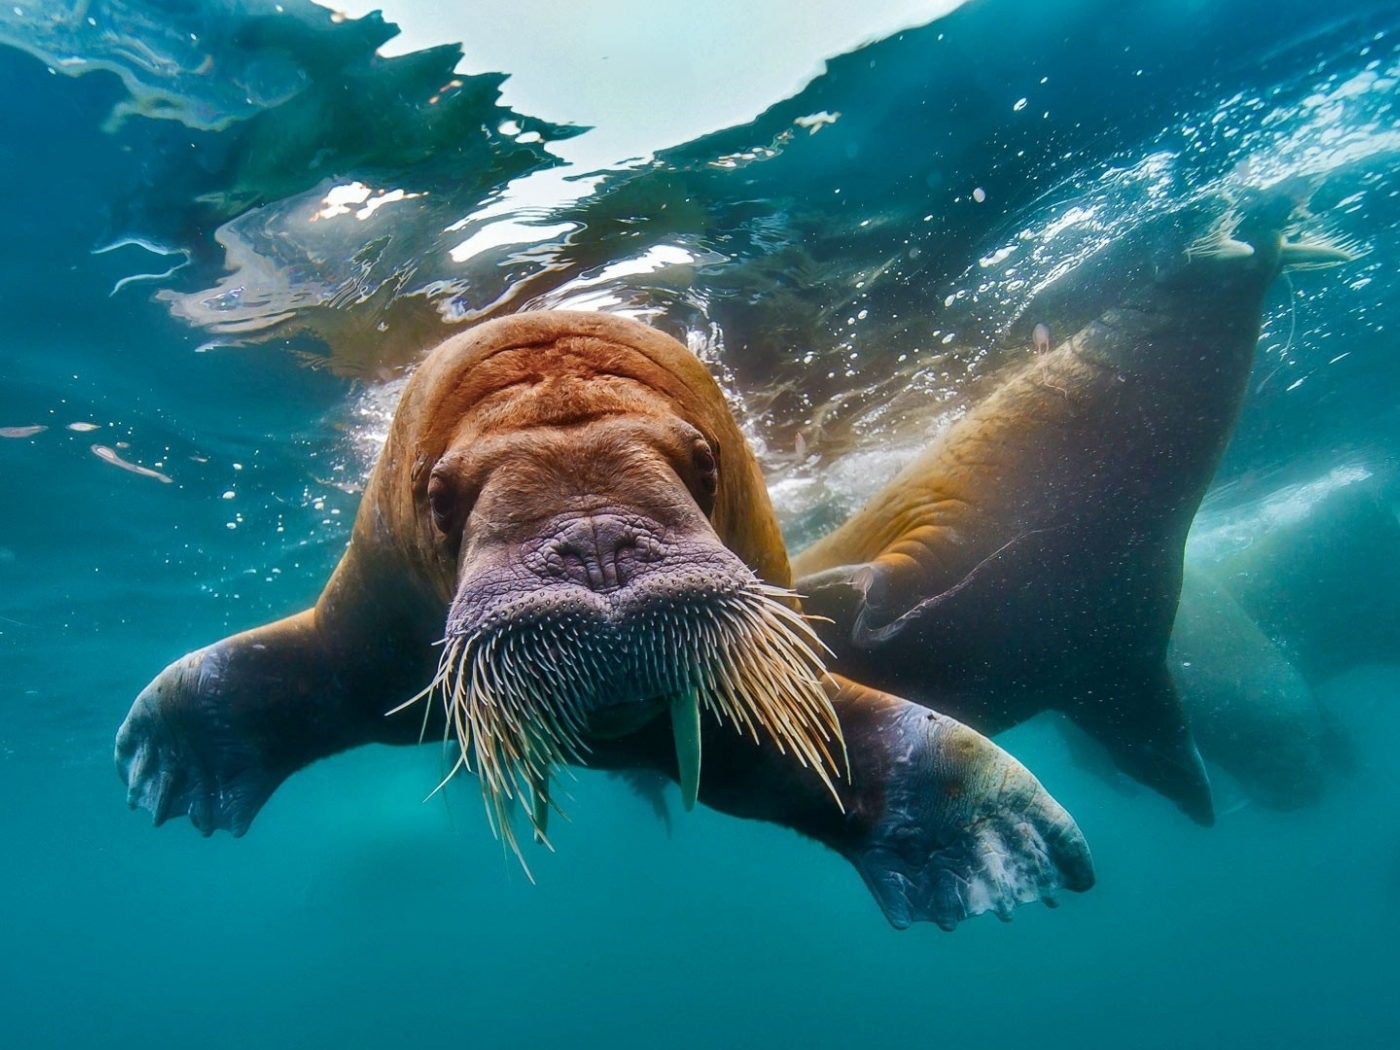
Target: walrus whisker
{"x":519,"y":700}
{"x":515,"y":764}
{"x":801,"y":627}
{"x":731,"y":686}
{"x":781,"y":597}
{"x":801,"y":728}
{"x":459,"y":764}
{"x":722,"y":686}
{"x":459,"y":653}
{"x":444,"y":664}
{"x":1219,"y":241}
{"x":539,"y":812}
{"x":810,"y":748}
{"x":449,"y":685}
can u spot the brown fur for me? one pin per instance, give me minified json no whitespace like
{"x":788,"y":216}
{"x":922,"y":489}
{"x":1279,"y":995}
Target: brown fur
{"x":559,"y":369}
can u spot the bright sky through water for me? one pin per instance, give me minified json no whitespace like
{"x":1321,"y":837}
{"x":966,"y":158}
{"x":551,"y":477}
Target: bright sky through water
{"x":646,"y":74}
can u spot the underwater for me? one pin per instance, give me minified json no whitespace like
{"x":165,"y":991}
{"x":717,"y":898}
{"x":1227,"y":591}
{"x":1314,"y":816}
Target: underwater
{"x":1063,"y":337}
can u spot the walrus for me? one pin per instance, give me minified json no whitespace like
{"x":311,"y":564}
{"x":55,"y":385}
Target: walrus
{"x":1252,"y":711}
{"x":566,"y":504}
{"x":1031,"y":558}
{"x":1279,"y":595}
{"x":1323,"y":580}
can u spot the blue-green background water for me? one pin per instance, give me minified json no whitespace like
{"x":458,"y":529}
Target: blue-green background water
{"x":851,"y":289}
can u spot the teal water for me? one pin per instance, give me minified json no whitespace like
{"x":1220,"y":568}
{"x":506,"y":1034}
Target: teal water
{"x":355,"y":914}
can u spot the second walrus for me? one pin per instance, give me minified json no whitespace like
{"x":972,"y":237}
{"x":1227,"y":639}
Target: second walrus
{"x":1032,"y":557}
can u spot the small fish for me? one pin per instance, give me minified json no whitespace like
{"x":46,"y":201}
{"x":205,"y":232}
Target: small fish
{"x":21,"y":432}
{"x":110,"y":455}
{"x":83,"y":428}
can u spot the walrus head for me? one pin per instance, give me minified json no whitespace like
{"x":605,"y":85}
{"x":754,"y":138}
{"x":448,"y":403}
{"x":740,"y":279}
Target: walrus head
{"x":576,"y":509}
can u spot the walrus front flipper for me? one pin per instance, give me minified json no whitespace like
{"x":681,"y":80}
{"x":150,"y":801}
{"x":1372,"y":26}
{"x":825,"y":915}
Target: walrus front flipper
{"x":1155,"y":745}
{"x":965,"y":828}
{"x":218,"y":730}
{"x":940,"y":822}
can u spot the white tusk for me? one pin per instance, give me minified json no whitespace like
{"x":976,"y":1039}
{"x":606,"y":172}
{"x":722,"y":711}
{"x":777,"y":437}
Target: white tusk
{"x":685,"y":723}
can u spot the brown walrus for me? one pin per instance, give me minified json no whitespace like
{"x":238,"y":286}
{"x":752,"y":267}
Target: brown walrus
{"x":567,"y":501}
{"x":1032,"y":557}
{"x":1251,"y":709}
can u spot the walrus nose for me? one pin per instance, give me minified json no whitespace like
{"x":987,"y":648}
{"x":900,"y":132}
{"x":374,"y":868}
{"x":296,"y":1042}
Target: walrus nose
{"x":601,"y":552}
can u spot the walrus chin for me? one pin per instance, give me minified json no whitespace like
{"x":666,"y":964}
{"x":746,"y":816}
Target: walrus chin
{"x":525,"y":685}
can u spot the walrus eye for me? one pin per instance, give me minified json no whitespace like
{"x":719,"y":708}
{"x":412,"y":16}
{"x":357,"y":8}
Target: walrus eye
{"x":706,"y":472}
{"x":453,"y":489}
{"x":442,"y":505}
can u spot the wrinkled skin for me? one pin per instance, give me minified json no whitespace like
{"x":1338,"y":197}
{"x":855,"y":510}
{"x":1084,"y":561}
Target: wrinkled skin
{"x":585,"y":468}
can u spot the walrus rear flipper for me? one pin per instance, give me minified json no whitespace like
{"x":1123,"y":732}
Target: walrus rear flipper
{"x":1144,"y":727}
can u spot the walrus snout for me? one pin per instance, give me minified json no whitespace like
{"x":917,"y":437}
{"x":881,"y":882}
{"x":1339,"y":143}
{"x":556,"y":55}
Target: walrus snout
{"x":610,"y":566}
{"x":590,"y":626}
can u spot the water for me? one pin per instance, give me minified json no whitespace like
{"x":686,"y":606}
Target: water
{"x":856,"y":264}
